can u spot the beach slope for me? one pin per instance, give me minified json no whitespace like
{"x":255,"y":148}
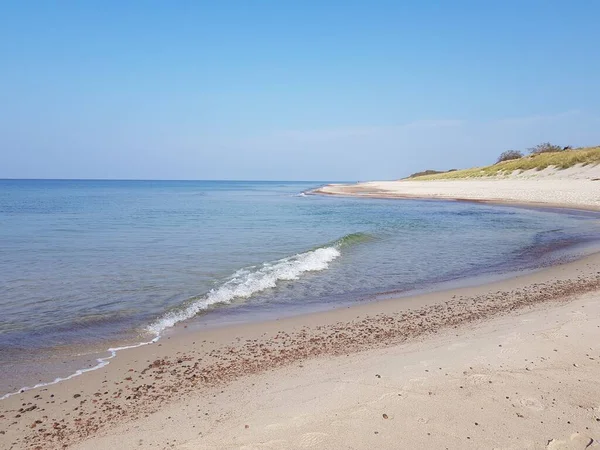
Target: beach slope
{"x":509,"y":364}
{"x":576,"y":187}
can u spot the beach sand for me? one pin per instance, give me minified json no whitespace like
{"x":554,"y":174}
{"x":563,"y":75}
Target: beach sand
{"x":510,"y":364}
{"x":576,"y":187}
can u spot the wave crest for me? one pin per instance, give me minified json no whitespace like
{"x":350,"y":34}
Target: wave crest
{"x":247,"y":282}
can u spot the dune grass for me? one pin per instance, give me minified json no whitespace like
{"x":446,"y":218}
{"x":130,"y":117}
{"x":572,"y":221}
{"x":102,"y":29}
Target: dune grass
{"x":560,"y":160}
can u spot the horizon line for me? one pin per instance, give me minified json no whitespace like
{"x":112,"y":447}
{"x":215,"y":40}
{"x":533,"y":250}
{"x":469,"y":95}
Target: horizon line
{"x":173,"y":179}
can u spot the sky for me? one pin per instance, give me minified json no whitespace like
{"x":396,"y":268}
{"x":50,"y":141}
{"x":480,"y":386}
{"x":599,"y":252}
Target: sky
{"x":290,"y":90}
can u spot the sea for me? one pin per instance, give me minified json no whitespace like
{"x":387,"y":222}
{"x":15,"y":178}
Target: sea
{"x":87,"y":266}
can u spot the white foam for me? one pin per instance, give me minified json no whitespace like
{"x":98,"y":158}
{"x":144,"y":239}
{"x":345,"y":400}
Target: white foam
{"x":242,"y":284}
{"x":246,"y":282}
{"x":101,"y":362}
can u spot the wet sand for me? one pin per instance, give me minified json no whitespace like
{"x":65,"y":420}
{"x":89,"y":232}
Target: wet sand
{"x":512,"y":364}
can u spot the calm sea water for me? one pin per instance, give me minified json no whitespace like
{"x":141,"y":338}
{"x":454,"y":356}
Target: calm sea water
{"x":84,"y":262}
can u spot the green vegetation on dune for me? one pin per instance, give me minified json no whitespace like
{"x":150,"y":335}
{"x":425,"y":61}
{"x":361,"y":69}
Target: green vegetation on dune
{"x":431,"y":172}
{"x":538,"y":161}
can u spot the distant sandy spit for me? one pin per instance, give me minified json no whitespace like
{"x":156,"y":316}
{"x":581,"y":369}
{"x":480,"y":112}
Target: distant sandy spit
{"x":541,"y":189}
{"x":511,"y":364}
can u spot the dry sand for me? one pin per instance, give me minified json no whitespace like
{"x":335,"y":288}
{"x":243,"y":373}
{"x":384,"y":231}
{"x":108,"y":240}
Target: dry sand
{"x":577,"y":187}
{"x":512,"y":364}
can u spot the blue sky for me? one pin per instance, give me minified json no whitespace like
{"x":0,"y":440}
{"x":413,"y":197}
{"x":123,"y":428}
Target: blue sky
{"x":306,"y":90}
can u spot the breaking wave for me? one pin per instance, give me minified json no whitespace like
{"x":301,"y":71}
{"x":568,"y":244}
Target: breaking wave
{"x":248,"y":281}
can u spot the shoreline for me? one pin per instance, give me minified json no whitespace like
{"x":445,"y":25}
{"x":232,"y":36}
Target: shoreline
{"x":101,"y":356}
{"x":475,"y":191}
{"x":147,"y":379}
{"x":242,"y":351}
{"x":494,"y":202}
{"x":98,"y":359}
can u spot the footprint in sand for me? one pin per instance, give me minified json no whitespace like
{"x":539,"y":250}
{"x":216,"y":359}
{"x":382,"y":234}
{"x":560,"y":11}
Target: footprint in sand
{"x":309,"y":440}
{"x":575,"y":442}
{"x":280,"y":443}
{"x":552,"y":334}
{"x":296,"y":421}
{"x":301,"y":420}
{"x":394,"y":395}
{"x":275,"y":426}
{"x":478,"y":378}
{"x":512,"y":338}
{"x":457,"y":346}
{"x":579,"y":314}
{"x":532,"y":403}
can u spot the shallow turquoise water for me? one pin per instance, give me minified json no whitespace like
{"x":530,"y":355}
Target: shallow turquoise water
{"x":86,"y":261}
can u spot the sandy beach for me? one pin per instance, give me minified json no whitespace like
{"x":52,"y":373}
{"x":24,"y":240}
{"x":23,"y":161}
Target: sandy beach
{"x":511,"y":364}
{"x":505,"y":364}
{"x":300,"y":225}
{"x":576,"y":187}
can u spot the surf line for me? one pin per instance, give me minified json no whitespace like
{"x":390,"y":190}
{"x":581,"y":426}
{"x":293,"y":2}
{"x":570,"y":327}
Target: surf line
{"x":101,"y":362}
{"x":242,"y":284}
